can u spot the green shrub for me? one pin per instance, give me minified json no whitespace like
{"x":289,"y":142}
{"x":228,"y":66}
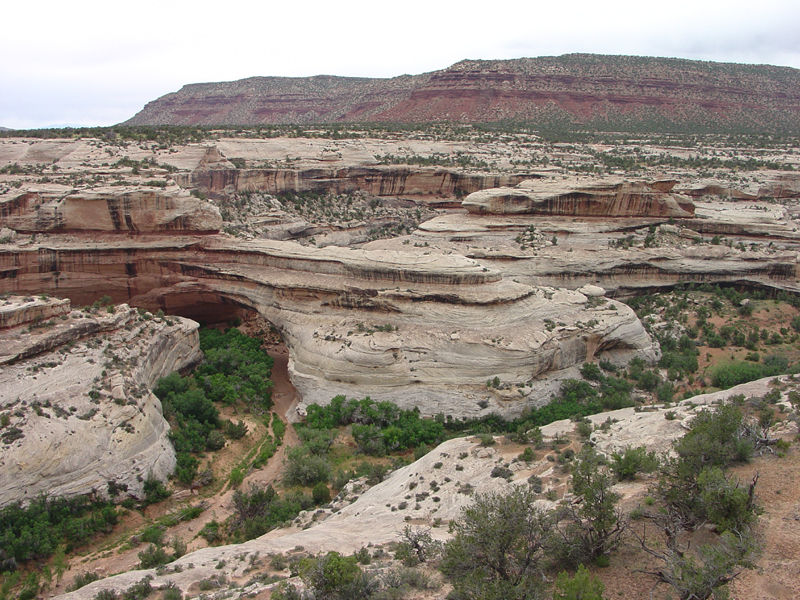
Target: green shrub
{"x":584,"y":429}
{"x":303,"y":468}
{"x":377,"y":427}
{"x":278,"y":426}
{"x":648,"y":380}
{"x":259,"y":510}
{"x":236,"y":478}
{"x":363,"y":556}
{"x":211,"y":532}
{"x":154,"y":534}
{"x":235,"y":431}
{"x":591,"y":371}
{"x":172,"y":593}
{"x":82,"y":580}
{"x":725,"y":503}
{"x":138,"y":591}
{"x":421,"y":451}
{"x":499,"y":547}
{"x":321,"y":493}
{"x":154,"y":490}
{"x":731,"y":374}
{"x":153,"y":556}
{"x":37,"y":530}
{"x":665,"y":392}
{"x":330,"y":575}
{"x":633,"y":461}
{"x":215,"y":440}
{"x":582,"y":586}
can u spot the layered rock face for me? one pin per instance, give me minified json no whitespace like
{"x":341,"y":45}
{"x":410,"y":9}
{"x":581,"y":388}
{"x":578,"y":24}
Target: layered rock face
{"x":77,"y":390}
{"x":604,"y":198}
{"x":108,"y":209}
{"x":376,"y":180}
{"x":617,"y":92}
{"x":629,"y":256}
{"x":423,"y":330}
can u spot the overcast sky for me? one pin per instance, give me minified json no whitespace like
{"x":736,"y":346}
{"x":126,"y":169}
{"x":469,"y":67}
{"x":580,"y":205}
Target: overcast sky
{"x":97,"y":62}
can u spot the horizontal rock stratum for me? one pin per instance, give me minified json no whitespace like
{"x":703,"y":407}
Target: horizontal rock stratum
{"x":616,"y":93}
{"x":379,"y":180}
{"x":570,"y":197}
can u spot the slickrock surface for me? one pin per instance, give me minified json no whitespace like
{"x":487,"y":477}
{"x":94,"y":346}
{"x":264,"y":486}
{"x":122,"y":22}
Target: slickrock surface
{"x":373,"y":516}
{"x":79,"y":401}
{"x":616,"y":255}
{"x":30,"y":310}
{"x":650,"y":427}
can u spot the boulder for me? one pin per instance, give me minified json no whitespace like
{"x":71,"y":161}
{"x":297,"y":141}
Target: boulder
{"x":594,"y":291}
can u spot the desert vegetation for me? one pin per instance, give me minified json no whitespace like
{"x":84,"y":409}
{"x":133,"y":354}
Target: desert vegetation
{"x":506,"y":545}
{"x":235,"y":371}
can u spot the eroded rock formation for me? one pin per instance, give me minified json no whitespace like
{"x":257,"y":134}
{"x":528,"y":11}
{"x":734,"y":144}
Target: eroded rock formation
{"x":613,"y":198}
{"x":423,"y":330}
{"x":108,"y":209}
{"x":612,"y":253}
{"x":76,"y":387}
{"x":476,"y":296}
{"x":393,"y":180}
{"x":30,"y":310}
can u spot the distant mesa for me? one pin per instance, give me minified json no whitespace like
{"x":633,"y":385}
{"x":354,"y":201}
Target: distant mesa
{"x":612,"y":93}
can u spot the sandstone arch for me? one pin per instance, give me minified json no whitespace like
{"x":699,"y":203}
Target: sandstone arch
{"x":423,"y":330}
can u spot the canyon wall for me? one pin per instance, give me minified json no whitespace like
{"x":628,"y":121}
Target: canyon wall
{"x":424,"y":330}
{"x":391,"y":180}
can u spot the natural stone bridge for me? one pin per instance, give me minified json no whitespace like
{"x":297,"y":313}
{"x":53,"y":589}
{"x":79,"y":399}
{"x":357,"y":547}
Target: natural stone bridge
{"x":423,"y":330}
